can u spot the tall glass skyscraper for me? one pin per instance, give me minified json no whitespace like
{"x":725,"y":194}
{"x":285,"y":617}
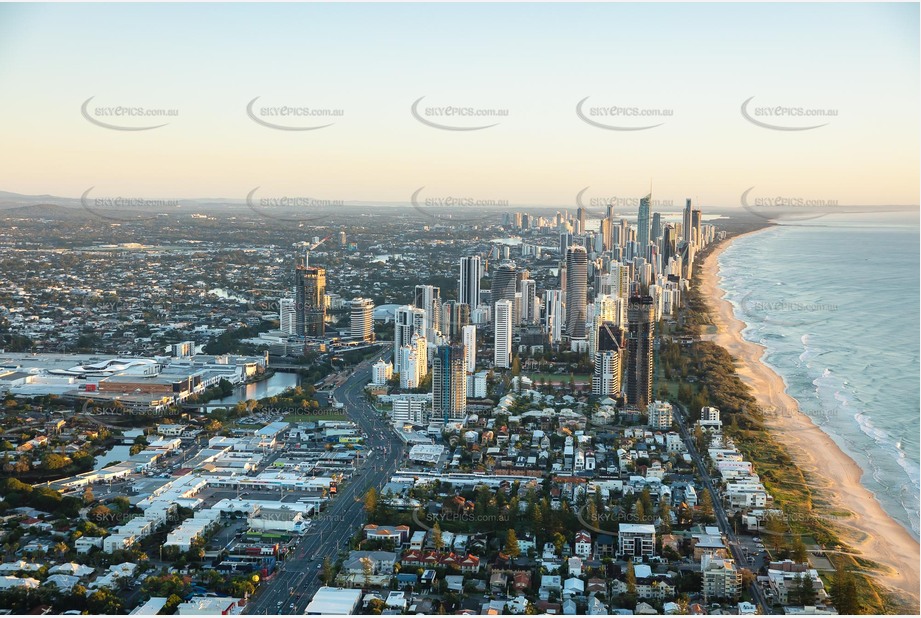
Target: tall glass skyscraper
{"x":310,"y":301}
{"x":642,"y":224}
{"x":449,"y":383}
{"x":468,"y":289}
{"x":576,"y":291}
{"x":640,"y":323}
{"x":505,"y":283}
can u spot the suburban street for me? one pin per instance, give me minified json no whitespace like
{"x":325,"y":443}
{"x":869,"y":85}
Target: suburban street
{"x":298,"y":578}
{"x":721,"y":519}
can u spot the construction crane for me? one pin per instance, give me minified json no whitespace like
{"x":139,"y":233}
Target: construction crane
{"x":310,"y":247}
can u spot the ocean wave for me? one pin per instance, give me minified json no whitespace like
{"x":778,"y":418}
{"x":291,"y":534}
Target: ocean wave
{"x":840,"y":371}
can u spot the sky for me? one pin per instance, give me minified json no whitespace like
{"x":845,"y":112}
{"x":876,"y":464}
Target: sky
{"x":692,"y":66}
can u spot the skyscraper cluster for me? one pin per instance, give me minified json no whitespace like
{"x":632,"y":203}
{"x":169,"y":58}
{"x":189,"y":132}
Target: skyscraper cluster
{"x":613,"y":283}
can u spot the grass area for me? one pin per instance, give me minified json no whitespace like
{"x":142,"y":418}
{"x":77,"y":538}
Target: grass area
{"x":556,"y":377}
{"x":805,"y":515}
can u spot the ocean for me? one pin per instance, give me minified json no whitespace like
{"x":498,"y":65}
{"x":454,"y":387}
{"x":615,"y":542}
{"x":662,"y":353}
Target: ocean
{"x":835,"y":302}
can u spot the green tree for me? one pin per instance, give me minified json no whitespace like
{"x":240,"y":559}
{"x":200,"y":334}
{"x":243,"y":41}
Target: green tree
{"x":511,"y":544}
{"x":171,"y":604}
{"x":798,"y":550}
{"x":844,"y":592}
{"x":329,"y":573}
{"x":437,"y":537}
{"x":700,"y":439}
{"x":104,"y":601}
{"x":775,"y":530}
{"x":705,"y":505}
{"x":367,"y":570}
{"x":639,"y":512}
{"x":665,"y":512}
{"x":371,"y":504}
{"x":631,"y":584}
{"x":53,"y":461}
{"x":802,"y":591}
{"x":558,"y":541}
{"x":376,"y":607}
{"x":631,"y":578}
{"x":100,"y":513}
{"x":242,"y":587}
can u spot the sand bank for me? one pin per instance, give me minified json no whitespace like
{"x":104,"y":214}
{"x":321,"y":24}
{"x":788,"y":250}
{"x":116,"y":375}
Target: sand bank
{"x":829,"y":470}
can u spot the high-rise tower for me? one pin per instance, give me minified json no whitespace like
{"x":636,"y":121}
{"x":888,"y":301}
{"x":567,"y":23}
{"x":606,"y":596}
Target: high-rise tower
{"x":505,"y":283}
{"x":454,"y":317}
{"x":408,"y":321}
{"x":640,"y":324}
{"x":310,"y":301}
{"x":502,"y":357}
{"x":428,"y":298}
{"x":362,"y":319}
{"x":449,"y":383}
{"x":468,"y":289}
{"x":576,"y":291}
{"x":642,"y":224}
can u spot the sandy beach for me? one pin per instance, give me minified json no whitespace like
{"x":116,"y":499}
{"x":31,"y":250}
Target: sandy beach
{"x":833,"y":474}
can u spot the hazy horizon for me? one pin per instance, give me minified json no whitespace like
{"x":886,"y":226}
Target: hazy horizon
{"x":697,"y":69}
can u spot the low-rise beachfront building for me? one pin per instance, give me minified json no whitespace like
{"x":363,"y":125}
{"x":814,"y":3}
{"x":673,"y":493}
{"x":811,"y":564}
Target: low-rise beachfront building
{"x":710,"y":420}
{"x":746,"y":495}
{"x":729,"y":469}
{"x":785,"y":576}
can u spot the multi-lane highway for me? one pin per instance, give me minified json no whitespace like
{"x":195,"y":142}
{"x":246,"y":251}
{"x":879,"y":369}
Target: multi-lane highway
{"x":294,"y":584}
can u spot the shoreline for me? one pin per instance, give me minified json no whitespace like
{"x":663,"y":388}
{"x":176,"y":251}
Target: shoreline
{"x":869,"y":529}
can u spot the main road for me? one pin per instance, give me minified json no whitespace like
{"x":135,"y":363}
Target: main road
{"x":298,"y":578}
{"x":721,"y":518}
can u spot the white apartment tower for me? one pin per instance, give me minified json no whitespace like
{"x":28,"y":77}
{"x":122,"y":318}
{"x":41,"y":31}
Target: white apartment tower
{"x":287,"y":318}
{"x":606,"y":379}
{"x":408,"y":321}
{"x":381,"y":371}
{"x":362,"y":319}
{"x":469,"y":341}
{"x":528,"y":301}
{"x":502,"y":357}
